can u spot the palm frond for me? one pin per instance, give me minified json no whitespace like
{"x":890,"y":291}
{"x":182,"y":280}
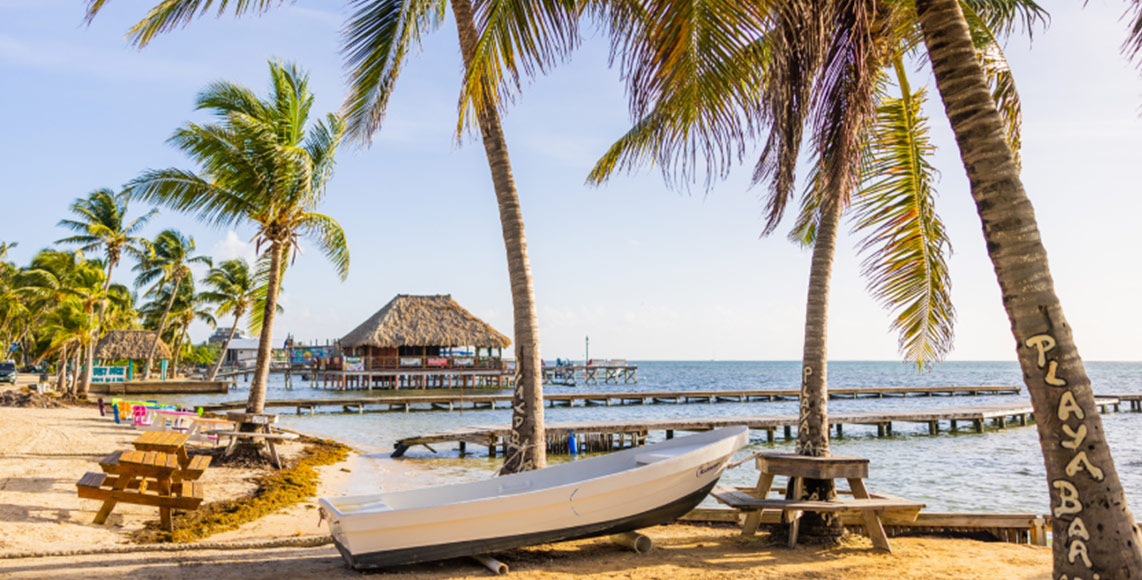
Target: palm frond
{"x":999,"y":79}
{"x":330,"y":239}
{"x":1002,"y":17}
{"x":168,"y":15}
{"x":377,"y":39}
{"x":904,"y":240}
{"x":695,"y":74}
{"x":517,"y":37}
{"x":185,"y":191}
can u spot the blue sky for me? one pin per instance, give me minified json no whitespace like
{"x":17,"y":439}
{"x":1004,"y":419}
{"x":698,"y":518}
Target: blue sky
{"x":646,"y":272}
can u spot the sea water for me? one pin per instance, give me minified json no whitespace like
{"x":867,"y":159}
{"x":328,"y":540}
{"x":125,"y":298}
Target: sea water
{"x":996,"y":471}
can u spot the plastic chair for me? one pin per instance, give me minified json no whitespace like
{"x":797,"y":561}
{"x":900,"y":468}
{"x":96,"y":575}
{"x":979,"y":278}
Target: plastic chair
{"x":139,"y":416}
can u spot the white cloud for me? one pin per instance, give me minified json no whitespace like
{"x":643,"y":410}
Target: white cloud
{"x":233,"y":247}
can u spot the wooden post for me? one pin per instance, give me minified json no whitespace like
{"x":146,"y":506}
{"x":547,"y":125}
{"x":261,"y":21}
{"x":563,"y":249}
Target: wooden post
{"x":933,"y":427}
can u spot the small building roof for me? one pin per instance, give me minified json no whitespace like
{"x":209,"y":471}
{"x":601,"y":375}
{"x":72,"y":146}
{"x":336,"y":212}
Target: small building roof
{"x":244,"y":344}
{"x":130,"y":345}
{"x":424,"y":321}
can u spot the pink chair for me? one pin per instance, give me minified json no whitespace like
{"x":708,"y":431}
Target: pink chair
{"x":139,"y":416}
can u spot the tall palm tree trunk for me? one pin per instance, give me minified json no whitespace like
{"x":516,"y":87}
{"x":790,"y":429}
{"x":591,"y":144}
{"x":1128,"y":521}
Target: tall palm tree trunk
{"x":813,"y":420}
{"x":84,"y":385}
{"x":159,"y":332}
{"x":527,"y":447}
{"x":74,"y":370}
{"x":226,"y":347}
{"x":178,"y":351}
{"x":1094,"y":534}
{"x":103,"y":300}
{"x":61,"y":374}
{"x":257,"y":401}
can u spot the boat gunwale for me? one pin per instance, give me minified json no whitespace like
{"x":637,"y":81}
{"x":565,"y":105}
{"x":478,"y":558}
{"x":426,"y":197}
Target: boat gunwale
{"x":646,"y":468}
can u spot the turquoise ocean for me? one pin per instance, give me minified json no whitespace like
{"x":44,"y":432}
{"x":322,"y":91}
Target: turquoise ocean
{"x":996,"y":471}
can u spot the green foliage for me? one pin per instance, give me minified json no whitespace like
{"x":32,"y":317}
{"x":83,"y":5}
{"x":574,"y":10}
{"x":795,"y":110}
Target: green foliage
{"x":101,"y":224}
{"x":204,"y":354}
{"x":260,"y":164}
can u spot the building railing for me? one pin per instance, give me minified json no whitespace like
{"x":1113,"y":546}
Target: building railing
{"x":373,"y":363}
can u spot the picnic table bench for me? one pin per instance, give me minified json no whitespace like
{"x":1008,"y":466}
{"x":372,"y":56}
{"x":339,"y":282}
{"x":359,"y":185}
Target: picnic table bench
{"x":869,"y":506}
{"x":253,"y":437}
{"x":158,"y":473}
{"x":254,"y":428}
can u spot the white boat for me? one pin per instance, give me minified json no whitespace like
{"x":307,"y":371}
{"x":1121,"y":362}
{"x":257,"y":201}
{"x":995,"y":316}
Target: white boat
{"x":610,"y":494}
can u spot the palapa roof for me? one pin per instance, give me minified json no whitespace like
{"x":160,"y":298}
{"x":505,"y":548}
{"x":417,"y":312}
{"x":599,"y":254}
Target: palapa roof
{"x":424,"y":321}
{"x":130,"y":345}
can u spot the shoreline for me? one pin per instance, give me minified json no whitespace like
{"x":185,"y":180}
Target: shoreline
{"x":47,"y":450}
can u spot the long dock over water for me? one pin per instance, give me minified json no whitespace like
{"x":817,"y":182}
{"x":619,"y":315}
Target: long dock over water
{"x":450,"y":401}
{"x":609,"y":372}
{"x":607,"y":435}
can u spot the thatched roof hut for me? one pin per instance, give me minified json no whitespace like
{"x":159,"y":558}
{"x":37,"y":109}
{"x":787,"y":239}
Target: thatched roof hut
{"x":130,"y":345}
{"x":424,"y":321}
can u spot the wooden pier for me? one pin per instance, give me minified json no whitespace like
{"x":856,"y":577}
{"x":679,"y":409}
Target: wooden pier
{"x":451,"y":401}
{"x":607,"y":435}
{"x":611,"y":372}
{"x":1135,"y":400}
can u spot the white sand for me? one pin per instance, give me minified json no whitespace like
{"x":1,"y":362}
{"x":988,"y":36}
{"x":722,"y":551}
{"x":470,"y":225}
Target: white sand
{"x":43,"y":452}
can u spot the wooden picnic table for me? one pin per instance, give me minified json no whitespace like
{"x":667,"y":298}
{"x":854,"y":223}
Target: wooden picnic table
{"x":200,"y":425}
{"x":270,"y":440}
{"x":797,"y":468}
{"x":157,"y":473}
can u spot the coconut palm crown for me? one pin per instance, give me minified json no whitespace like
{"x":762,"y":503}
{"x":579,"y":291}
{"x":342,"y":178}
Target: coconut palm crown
{"x":234,"y":291}
{"x":172,"y":255}
{"x":261,"y":164}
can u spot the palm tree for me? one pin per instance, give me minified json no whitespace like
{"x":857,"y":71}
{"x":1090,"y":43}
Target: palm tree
{"x":69,"y":328}
{"x":262,"y":165}
{"x":234,"y":293}
{"x":101,"y":223}
{"x":11,"y":305}
{"x":186,"y":307}
{"x":703,"y":83}
{"x":54,"y":278}
{"x":1094,"y":533}
{"x":168,"y":264}
{"x":378,"y":36}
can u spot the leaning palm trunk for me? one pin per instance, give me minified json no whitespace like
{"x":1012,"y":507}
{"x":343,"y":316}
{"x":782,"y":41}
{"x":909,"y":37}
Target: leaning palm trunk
{"x":74,"y":370}
{"x":813,"y":422}
{"x":257,"y":401}
{"x":61,"y":374}
{"x":84,"y":385}
{"x":1094,"y":534}
{"x":177,"y":352}
{"x":159,"y":332}
{"x":225,"y":347}
{"x":526,"y":443}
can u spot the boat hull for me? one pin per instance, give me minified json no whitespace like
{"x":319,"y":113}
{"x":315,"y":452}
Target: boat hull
{"x":618,"y":492}
{"x":658,"y":516}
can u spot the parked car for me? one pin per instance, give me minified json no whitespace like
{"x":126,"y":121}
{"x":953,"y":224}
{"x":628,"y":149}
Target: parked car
{"x":8,"y":372}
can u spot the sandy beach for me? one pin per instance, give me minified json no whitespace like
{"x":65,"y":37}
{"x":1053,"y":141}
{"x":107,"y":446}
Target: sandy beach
{"x":45,"y":451}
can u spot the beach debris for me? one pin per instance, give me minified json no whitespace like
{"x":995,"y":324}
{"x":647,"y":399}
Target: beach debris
{"x":28,"y":399}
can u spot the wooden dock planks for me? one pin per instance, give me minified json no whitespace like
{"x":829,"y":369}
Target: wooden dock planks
{"x":452,"y":401}
{"x":977,"y":416}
